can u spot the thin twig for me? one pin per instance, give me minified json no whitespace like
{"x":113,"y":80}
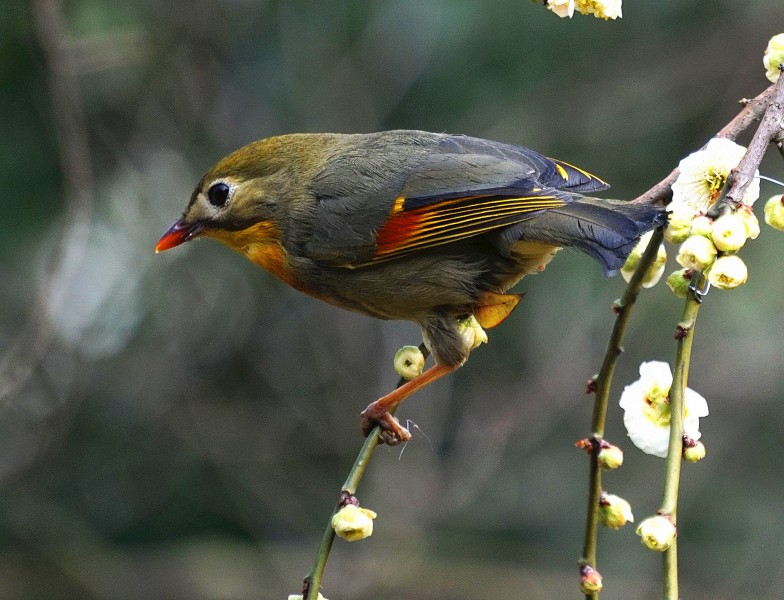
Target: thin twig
{"x":312,"y":584}
{"x":752,"y":111}
{"x":603,"y":383}
{"x":672,"y":470}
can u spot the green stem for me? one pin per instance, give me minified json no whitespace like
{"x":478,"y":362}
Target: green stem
{"x":603,"y":382}
{"x":313,"y":580}
{"x":672,"y":472}
{"x":312,"y":583}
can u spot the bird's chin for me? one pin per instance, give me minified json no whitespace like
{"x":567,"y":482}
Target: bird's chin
{"x":179,"y":233}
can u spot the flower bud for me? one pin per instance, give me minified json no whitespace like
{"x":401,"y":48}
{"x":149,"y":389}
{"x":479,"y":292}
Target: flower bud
{"x":409,"y":362}
{"x":746,"y":213}
{"x":654,"y":272}
{"x":678,"y":227}
{"x":728,"y":233}
{"x":610,"y":457}
{"x":300,"y":597}
{"x":694,"y":452}
{"x":696,"y":253}
{"x":590,"y":580}
{"x":472,"y":333}
{"x":679,"y":282}
{"x":728,"y":272}
{"x":614,"y":511}
{"x":774,"y":57}
{"x":657,"y":532}
{"x":774,"y":212}
{"x":702,"y":226}
{"x":353,"y":523}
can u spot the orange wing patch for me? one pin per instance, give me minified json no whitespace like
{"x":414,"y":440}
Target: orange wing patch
{"x":408,"y":230}
{"x":493,"y":308}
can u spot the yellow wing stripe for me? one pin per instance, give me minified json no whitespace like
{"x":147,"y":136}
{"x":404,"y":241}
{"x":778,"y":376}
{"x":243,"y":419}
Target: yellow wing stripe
{"x":452,"y":220}
{"x":562,"y":172}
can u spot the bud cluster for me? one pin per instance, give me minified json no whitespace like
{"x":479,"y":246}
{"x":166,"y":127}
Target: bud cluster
{"x":709,"y":246}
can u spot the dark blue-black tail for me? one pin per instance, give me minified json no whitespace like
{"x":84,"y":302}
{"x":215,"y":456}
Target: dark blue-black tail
{"x":605,"y":229}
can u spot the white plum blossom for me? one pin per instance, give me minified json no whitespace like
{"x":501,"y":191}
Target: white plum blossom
{"x":562,"y":8}
{"x":703,"y":175}
{"x":601,"y":9}
{"x":646,"y":407}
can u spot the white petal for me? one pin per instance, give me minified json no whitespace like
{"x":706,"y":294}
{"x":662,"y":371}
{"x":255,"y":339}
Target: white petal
{"x":648,"y":437}
{"x":656,"y":372}
{"x":633,"y":396}
{"x":696,"y":404}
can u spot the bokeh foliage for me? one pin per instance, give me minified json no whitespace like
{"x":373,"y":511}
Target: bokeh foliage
{"x":185,"y":427}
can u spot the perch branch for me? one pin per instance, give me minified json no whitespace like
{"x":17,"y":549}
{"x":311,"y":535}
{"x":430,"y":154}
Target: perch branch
{"x":602,"y":383}
{"x":312,"y":584}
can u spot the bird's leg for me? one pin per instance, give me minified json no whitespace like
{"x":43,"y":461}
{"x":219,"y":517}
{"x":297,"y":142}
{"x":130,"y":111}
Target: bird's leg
{"x":377,"y":413}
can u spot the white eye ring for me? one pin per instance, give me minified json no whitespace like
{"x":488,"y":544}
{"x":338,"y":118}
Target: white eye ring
{"x":219,"y":194}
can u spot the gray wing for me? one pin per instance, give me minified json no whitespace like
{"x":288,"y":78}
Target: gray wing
{"x":381,"y":181}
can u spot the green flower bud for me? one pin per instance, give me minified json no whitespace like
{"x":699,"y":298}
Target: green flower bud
{"x":697,"y":253}
{"x":774,"y":212}
{"x":610,"y":457}
{"x":654,"y":272}
{"x":728,"y":272}
{"x":678,"y":227}
{"x":472,"y":333}
{"x":409,"y":362}
{"x":353,"y":523}
{"x":702,"y":226}
{"x":774,"y":57}
{"x":746,"y":213}
{"x":694,"y":451}
{"x":679,"y":282}
{"x":729,"y":233}
{"x":590,"y":580}
{"x":657,"y":532}
{"x":614,"y":511}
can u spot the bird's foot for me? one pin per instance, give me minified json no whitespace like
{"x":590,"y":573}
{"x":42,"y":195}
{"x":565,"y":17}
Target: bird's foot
{"x":392,"y":432}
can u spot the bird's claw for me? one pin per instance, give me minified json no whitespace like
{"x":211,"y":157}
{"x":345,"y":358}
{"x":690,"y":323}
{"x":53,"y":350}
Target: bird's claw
{"x":392,"y":432}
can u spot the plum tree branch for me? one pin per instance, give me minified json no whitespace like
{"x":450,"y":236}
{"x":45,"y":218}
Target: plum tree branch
{"x":752,"y":111}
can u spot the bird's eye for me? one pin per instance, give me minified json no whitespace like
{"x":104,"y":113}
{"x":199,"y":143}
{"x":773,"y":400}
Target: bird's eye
{"x":218,"y":194}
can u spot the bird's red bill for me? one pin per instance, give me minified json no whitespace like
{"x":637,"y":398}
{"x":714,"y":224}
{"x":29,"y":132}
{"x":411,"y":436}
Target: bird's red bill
{"x":177,"y":234}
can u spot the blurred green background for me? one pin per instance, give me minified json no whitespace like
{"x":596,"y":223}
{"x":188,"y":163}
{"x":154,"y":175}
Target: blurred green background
{"x":178,"y":426}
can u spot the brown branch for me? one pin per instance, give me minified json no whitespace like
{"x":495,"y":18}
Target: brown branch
{"x":751,"y":113}
{"x":742,"y":175}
